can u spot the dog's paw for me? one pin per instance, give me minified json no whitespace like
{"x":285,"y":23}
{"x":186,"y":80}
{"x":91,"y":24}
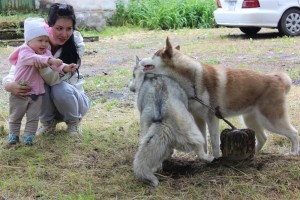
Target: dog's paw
{"x":149,"y":179}
{"x":206,"y":158}
{"x":292,"y":154}
{"x":154,"y":182}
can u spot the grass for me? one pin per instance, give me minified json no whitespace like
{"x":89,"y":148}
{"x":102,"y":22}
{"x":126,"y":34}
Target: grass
{"x":17,"y":17}
{"x":97,"y":165}
{"x":165,"y":15}
{"x":150,"y":14}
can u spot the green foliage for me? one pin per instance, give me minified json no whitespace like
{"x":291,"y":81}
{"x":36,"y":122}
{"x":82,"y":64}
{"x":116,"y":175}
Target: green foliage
{"x":23,"y":83}
{"x":115,"y":80}
{"x":16,"y":17}
{"x":2,"y":131}
{"x":13,"y":7}
{"x":166,"y":14}
{"x":113,"y":104}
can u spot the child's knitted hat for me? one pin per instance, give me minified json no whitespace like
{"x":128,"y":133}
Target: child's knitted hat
{"x":34,"y":27}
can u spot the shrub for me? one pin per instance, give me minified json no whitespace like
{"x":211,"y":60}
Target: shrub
{"x":165,"y":14}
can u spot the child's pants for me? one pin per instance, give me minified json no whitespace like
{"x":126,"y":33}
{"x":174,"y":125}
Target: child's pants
{"x":18,"y":107}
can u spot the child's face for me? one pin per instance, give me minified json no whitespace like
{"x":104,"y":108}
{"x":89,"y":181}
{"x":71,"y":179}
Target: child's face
{"x":39,"y":44}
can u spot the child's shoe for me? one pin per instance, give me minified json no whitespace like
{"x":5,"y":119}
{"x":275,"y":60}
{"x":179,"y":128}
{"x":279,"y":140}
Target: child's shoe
{"x":28,"y":140}
{"x":13,"y":139}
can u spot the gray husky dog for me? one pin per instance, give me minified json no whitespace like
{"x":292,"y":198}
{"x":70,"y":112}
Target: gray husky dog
{"x":166,"y":123}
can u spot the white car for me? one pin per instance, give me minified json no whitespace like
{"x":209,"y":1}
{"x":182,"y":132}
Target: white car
{"x":251,"y":15}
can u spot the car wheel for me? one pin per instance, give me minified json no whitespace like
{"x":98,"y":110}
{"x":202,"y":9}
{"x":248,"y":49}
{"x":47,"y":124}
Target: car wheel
{"x":250,"y":30}
{"x":289,"y":23}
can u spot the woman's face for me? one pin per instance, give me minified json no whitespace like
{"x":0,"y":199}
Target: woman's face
{"x":61,"y":31}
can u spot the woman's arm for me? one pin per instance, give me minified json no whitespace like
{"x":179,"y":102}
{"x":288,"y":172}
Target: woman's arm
{"x":10,"y":76}
{"x":79,"y":43}
{"x":13,"y":87}
{"x":52,"y":77}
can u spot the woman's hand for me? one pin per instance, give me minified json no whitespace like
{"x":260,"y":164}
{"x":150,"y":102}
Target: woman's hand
{"x":17,"y":89}
{"x":70,"y":68}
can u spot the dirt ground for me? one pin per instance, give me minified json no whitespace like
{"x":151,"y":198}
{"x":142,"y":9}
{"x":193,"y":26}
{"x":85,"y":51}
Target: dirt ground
{"x":265,"y":52}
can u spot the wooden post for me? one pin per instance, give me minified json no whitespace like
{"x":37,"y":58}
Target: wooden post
{"x":237,"y":144}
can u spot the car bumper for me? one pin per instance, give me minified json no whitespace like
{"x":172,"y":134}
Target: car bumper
{"x":246,"y":17}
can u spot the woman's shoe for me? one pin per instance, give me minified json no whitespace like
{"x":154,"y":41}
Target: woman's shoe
{"x":74,"y":128}
{"x":47,"y":127}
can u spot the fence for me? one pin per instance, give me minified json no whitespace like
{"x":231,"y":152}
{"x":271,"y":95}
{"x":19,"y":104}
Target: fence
{"x":10,"y":6}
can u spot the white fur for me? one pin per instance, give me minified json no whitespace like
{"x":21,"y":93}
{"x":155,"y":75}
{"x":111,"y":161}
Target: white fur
{"x":166,"y":124}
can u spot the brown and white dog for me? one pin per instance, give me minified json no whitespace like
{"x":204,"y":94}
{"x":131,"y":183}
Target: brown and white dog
{"x":259,"y":98}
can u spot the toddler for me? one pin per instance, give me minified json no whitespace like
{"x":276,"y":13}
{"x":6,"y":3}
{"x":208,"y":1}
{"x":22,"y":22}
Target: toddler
{"x":34,"y":49}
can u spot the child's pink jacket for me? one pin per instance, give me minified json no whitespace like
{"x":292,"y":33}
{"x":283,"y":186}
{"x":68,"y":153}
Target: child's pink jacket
{"x":23,"y":58}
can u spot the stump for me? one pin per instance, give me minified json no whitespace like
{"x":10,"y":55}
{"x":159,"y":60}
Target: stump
{"x":237,"y":144}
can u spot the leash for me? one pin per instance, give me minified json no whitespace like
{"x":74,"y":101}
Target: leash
{"x":216,"y":111}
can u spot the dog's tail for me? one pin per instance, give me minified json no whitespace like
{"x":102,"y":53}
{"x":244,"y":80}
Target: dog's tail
{"x":154,"y":148}
{"x":284,"y":79}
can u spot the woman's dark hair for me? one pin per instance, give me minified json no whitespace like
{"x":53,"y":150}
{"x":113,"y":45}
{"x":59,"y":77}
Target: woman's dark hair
{"x":69,"y":52}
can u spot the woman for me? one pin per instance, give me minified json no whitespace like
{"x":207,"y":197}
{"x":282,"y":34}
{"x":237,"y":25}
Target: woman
{"x":64,"y":99}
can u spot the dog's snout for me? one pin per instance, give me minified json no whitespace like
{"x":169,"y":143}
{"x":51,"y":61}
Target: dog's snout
{"x":132,"y":89}
{"x":131,"y":86}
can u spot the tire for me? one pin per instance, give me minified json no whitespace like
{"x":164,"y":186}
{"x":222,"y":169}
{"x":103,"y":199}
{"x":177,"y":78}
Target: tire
{"x":250,"y":30}
{"x":289,"y":23}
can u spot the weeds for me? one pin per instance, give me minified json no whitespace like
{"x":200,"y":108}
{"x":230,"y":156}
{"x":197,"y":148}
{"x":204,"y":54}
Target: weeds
{"x":170,"y":14}
{"x":2,"y":131}
{"x":17,"y":17}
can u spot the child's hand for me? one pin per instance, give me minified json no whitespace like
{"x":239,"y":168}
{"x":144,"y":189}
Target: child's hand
{"x":55,"y":62}
{"x":39,"y":65}
{"x":70,"y":68}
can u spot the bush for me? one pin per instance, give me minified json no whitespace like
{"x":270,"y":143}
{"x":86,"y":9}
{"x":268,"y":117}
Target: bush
{"x":165,"y":14}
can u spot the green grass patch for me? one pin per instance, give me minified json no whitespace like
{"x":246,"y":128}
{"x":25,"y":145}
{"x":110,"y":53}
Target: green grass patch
{"x":111,"y":30}
{"x":113,"y":81}
{"x":18,"y":16}
{"x":170,"y":14}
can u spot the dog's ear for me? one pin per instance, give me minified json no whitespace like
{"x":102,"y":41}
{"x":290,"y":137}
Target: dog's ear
{"x":177,"y":47}
{"x":137,"y":60}
{"x":169,"y":49}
